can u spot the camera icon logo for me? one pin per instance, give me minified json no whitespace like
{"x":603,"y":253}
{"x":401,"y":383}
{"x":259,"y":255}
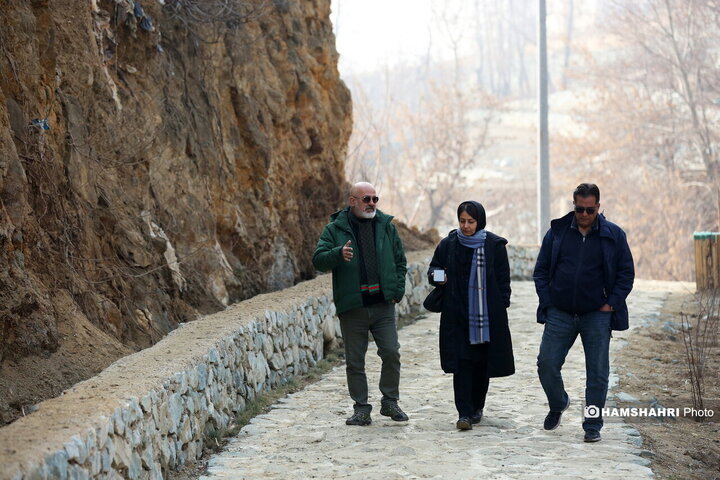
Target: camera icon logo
{"x":591,"y":411}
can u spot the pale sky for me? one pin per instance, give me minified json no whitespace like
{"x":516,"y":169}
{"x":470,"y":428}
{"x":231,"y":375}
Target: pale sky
{"x":372,"y":34}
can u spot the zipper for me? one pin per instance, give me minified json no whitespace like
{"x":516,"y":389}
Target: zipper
{"x":577,"y":272}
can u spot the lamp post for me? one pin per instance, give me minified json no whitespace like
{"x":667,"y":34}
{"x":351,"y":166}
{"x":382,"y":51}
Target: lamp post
{"x":543,"y":187}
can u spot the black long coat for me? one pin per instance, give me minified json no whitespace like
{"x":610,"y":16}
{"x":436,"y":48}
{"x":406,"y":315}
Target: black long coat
{"x":454,"y":325}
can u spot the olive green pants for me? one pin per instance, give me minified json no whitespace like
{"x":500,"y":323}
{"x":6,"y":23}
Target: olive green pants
{"x":379,"y":320}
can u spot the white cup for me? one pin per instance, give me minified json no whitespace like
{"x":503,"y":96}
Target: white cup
{"x":439,"y":275}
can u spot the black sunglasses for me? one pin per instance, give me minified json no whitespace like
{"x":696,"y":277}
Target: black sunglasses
{"x":589,"y":210}
{"x":367,"y":198}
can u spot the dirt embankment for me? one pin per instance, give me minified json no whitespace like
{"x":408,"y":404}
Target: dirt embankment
{"x":653,"y":371}
{"x":156,"y":164}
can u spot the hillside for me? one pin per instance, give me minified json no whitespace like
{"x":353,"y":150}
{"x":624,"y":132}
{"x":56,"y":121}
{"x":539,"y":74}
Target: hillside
{"x":158,"y":161}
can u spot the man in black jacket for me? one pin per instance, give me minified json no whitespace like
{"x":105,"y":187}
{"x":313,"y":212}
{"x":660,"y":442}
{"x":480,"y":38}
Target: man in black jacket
{"x":584,"y":273}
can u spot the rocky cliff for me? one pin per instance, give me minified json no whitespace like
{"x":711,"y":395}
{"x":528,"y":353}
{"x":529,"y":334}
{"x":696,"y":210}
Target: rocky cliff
{"x":158,"y":160}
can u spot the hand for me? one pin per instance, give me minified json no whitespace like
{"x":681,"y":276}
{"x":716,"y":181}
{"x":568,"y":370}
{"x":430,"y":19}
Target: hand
{"x":607,"y":308}
{"x":347,"y":251}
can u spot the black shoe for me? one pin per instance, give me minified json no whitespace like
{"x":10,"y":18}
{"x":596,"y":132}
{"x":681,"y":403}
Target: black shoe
{"x":392,"y":410}
{"x":464,"y":423}
{"x":592,"y":436}
{"x":552,"y":420}
{"x":359,"y":418}
{"x":477,"y":416}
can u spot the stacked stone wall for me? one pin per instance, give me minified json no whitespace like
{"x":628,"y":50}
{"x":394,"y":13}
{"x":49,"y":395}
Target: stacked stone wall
{"x":522,"y":261}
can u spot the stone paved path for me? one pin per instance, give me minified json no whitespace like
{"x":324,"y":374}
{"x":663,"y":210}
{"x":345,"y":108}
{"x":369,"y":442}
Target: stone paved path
{"x":304,"y":435}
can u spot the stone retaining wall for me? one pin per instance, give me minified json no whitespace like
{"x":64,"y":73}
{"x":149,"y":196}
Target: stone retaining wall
{"x":150,"y":412}
{"x":522,"y":261}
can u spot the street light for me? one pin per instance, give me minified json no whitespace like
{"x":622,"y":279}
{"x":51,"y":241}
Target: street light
{"x":543,"y":137}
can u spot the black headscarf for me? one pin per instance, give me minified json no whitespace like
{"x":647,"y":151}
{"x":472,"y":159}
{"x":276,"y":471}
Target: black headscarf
{"x":475,"y":210}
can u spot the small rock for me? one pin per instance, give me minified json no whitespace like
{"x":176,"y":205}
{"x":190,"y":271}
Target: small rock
{"x":641,"y":461}
{"x":57,"y":464}
{"x":669,"y":328}
{"x":76,"y":472}
{"x":647,"y":454}
{"x":123,"y":453}
{"x":626,"y":397}
{"x":317,"y":437}
{"x":135,"y":467}
{"x":76,"y":450}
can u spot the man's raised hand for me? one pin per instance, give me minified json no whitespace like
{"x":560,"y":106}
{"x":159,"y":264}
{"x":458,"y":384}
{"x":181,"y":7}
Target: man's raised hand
{"x":347,"y":251}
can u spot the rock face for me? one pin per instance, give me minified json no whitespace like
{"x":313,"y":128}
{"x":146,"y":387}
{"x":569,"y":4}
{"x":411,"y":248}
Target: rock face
{"x":160,"y":161}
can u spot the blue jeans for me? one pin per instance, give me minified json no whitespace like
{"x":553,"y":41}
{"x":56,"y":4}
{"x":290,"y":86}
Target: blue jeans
{"x":561,"y":330}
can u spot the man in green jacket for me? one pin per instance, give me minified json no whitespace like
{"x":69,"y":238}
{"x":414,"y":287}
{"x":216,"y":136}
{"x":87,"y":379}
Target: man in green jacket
{"x":362,"y":248}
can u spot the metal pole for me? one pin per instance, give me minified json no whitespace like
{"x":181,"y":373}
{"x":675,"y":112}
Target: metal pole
{"x":543,"y":187}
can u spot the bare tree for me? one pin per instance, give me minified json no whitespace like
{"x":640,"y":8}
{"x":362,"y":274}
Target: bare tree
{"x":648,"y":129}
{"x":569,"y":27}
{"x":442,"y":142}
{"x":676,"y":62}
{"x":420,"y":135}
{"x":701,"y":332}
{"x":502,"y":33}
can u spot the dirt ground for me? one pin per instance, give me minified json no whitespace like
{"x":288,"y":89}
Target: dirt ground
{"x":84,"y":351}
{"x":652,"y":367}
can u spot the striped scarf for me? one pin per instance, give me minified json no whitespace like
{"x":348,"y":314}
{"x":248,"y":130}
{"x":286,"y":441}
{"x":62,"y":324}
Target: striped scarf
{"x":477,"y":288}
{"x":370,"y":281}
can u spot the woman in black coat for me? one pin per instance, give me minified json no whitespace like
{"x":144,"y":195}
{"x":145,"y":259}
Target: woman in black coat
{"x":475,"y":342}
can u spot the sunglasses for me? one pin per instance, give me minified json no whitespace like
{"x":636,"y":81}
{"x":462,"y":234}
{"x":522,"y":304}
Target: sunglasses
{"x":367,"y":198}
{"x":589,"y":210}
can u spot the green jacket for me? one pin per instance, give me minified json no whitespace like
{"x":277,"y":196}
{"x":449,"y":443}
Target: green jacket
{"x":392,"y":264}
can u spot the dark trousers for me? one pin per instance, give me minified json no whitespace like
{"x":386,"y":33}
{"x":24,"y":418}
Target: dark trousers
{"x":561,"y":330}
{"x":379,"y":320}
{"x":470,"y":384}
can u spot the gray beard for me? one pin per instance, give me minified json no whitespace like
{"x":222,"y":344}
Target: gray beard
{"x":368,"y":215}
